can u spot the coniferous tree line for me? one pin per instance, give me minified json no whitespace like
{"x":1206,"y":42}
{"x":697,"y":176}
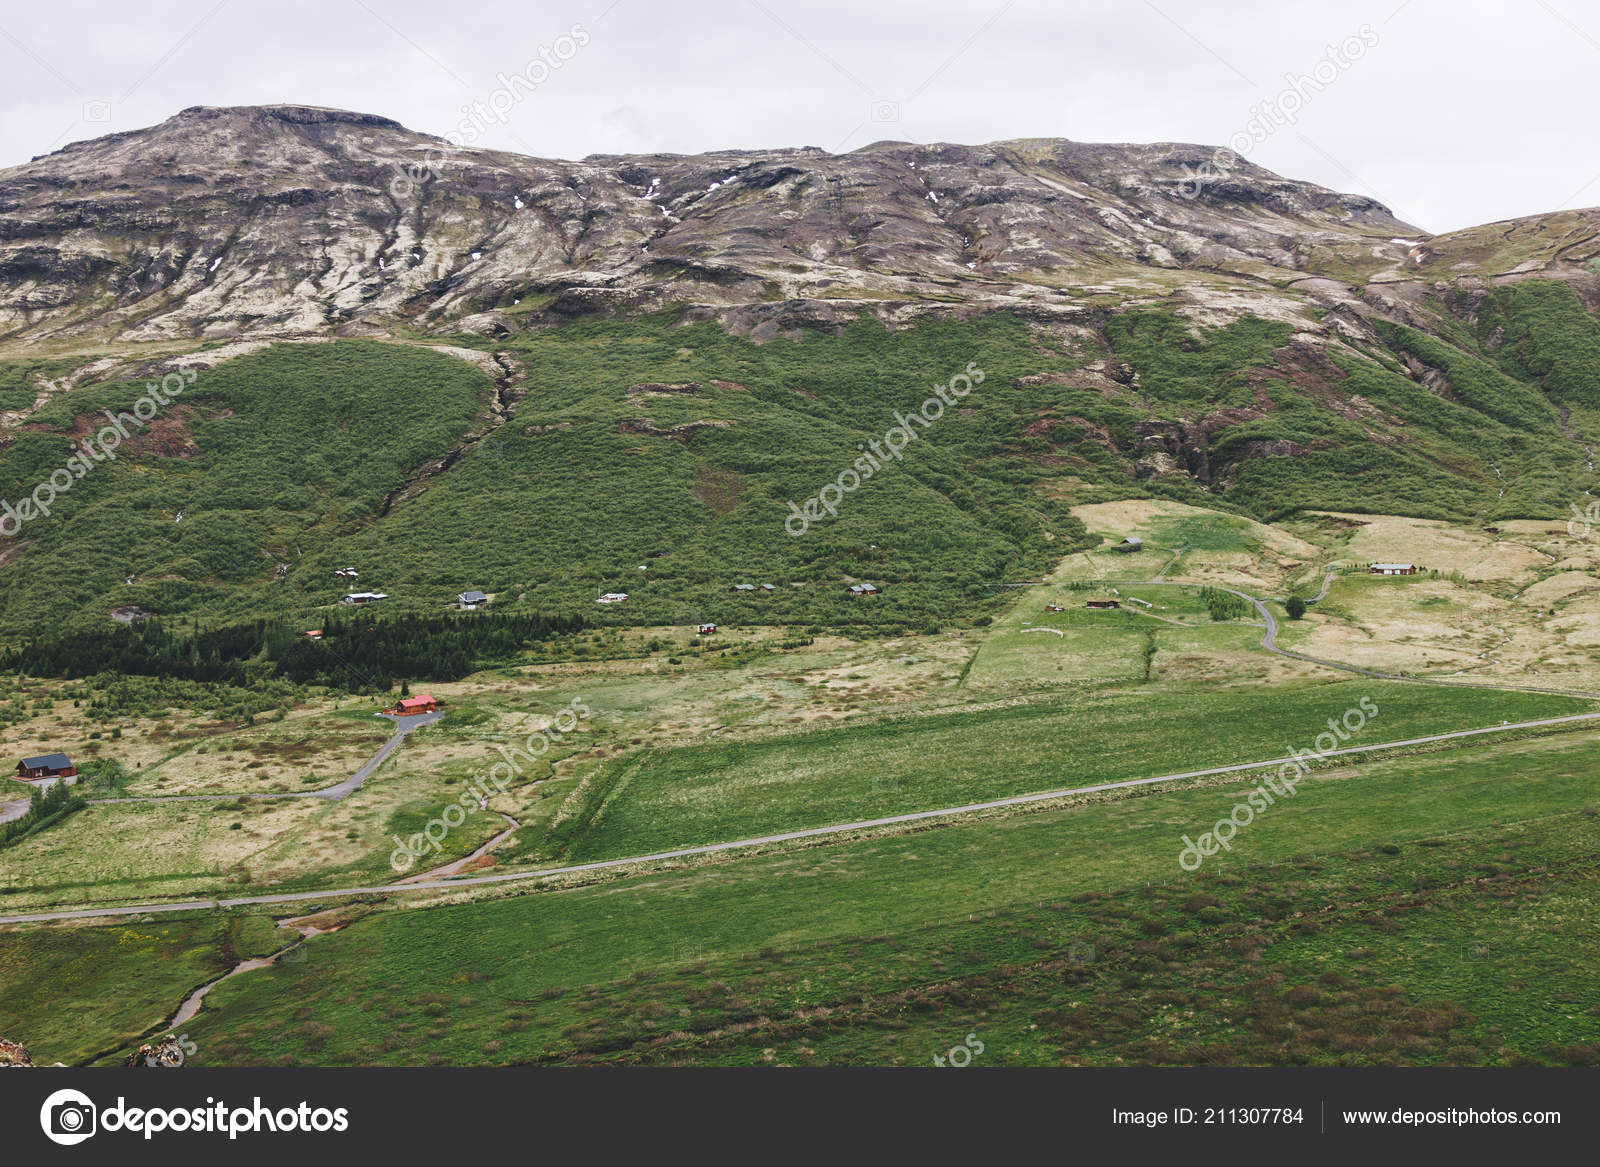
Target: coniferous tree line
{"x":357,"y":651}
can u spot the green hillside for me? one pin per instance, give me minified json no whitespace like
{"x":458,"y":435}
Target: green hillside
{"x":659,"y":459}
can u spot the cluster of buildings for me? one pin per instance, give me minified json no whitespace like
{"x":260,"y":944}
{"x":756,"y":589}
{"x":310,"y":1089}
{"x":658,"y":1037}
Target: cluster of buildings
{"x":748,"y":589}
{"x":468,"y":601}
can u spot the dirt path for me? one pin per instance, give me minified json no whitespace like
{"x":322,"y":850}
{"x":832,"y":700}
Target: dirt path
{"x":456,"y":866}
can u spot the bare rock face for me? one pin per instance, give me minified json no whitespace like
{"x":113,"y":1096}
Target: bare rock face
{"x":14,"y":1056}
{"x":283,"y":220}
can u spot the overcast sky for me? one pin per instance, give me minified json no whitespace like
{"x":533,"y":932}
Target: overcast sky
{"x":1453,"y":112}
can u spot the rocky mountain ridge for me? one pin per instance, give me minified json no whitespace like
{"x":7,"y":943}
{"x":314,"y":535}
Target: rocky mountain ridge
{"x":222,"y":223}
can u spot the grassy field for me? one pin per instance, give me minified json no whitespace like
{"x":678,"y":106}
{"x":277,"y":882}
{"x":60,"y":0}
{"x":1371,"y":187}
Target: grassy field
{"x":1062,"y":934}
{"x":76,"y":992}
{"x":305,"y":753}
{"x":716,"y":792}
{"x":892,"y":949}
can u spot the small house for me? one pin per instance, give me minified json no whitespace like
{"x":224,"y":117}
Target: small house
{"x":363,"y":597}
{"x":1055,"y":608}
{"x":412,"y":706}
{"x":769,"y":588}
{"x":347,"y":573}
{"x":46,"y":766}
{"x":706,"y":629}
{"x":863,"y":590}
{"x":746,"y":587}
{"x":471,"y":601}
{"x":312,"y":634}
{"x":613,"y":598}
{"x":1131,"y":543}
{"x":1104,"y":604}
{"x":1392,"y":569}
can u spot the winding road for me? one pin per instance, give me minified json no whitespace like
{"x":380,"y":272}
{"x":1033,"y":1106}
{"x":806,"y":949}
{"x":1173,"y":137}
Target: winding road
{"x":402,"y":726}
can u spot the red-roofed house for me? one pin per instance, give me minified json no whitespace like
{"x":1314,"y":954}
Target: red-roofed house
{"x":411,"y":706}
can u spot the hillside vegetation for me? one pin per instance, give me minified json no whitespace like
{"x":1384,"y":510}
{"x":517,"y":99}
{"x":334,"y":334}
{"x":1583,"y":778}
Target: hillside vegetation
{"x":660,"y":459}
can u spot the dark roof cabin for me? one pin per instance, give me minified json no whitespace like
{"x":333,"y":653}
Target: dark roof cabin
{"x":46,"y":766}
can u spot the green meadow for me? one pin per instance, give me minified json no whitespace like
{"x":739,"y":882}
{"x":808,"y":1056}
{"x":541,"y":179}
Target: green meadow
{"x":722,"y":791}
{"x":898,"y":946}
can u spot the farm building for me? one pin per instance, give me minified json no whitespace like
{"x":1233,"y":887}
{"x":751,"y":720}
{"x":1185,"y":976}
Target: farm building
{"x":411,"y":706}
{"x":743,"y":588}
{"x":471,"y":601}
{"x":769,"y":588}
{"x":363,"y":597}
{"x":1131,"y":543}
{"x":347,"y":573}
{"x":706,"y":629}
{"x":863,"y":590}
{"x":1055,"y":607}
{"x":1392,"y":569}
{"x":613,"y":598}
{"x":1104,"y":604}
{"x":46,"y":766}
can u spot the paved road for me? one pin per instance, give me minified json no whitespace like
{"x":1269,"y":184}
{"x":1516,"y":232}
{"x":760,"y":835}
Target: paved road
{"x":761,"y":840}
{"x":402,"y":726}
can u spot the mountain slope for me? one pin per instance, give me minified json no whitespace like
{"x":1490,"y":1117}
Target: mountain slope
{"x":608,"y":411}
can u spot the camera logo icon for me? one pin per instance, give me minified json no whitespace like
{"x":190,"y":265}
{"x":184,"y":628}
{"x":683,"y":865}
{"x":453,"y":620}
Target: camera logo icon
{"x":97,"y":111}
{"x":885,"y":111}
{"x":68,"y":1117}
